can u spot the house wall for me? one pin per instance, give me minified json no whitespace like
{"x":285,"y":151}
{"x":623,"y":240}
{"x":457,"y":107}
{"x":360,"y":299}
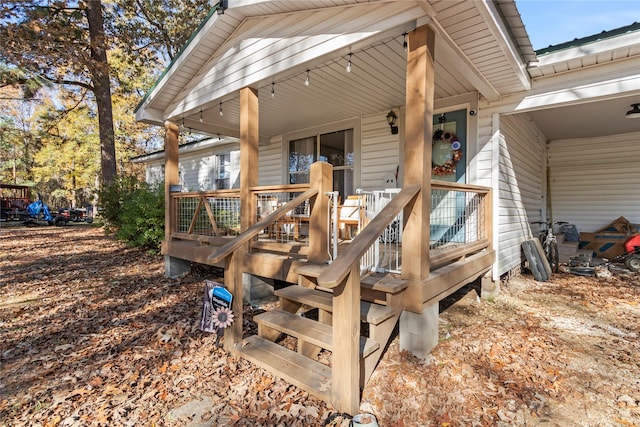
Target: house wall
{"x":198,"y":169}
{"x":512,"y":159}
{"x":154,"y":174}
{"x":593,"y":181}
{"x":271,"y":163}
{"x":380,"y":153}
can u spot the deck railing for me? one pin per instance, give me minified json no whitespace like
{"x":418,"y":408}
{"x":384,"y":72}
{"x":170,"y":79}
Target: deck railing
{"x":216,"y":213}
{"x":459,"y":219}
{"x":294,"y":226}
{"x":208,"y":213}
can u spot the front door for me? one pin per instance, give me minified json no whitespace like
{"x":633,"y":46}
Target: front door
{"x":449,"y":145}
{"x":447,"y":219}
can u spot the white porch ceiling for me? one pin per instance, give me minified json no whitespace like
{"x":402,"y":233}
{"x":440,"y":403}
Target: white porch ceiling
{"x":259,"y":43}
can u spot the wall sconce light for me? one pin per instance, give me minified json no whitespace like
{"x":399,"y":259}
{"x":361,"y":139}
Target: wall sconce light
{"x":391,"y":119}
{"x":634,"y":113}
{"x":222,"y":5}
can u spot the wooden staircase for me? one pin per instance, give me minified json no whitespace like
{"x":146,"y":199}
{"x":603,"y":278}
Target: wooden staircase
{"x":306,"y":313}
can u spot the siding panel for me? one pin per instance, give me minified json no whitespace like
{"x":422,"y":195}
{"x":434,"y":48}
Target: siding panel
{"x":380,"y":152}
{"x":595,"y":180}
{"x":521,"y":187}
{"x":271,"y":163}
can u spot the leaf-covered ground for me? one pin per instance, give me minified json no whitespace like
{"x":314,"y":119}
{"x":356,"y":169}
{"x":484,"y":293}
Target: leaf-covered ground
{"x":92,"y":333}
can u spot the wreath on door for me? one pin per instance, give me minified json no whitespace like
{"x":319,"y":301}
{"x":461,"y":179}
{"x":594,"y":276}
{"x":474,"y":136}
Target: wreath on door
{"x":446,"y":152}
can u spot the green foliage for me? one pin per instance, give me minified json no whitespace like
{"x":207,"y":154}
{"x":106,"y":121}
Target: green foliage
{"x":135,"y":211}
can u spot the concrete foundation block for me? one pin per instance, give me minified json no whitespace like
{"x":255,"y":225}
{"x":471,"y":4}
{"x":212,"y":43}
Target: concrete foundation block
{"x":175,"y":267}
{"x":489,"y":288}
{"x":256,"y":289}
{"x":419,"y":332}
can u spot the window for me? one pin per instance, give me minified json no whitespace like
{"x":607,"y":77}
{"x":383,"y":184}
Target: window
{"x":227,"y":170}
{"x":223,"y":176}
{"x":335,"y":148}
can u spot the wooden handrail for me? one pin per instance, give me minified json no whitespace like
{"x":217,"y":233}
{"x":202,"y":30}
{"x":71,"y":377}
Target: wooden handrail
{"x":228,"y":248}
{"x":334,"y":274}
{"x":279,"y":188}
{"x":232,"y":192}
{"x":453,"y":186}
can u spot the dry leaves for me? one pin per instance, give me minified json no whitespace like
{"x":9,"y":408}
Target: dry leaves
{"x":93,"y":334}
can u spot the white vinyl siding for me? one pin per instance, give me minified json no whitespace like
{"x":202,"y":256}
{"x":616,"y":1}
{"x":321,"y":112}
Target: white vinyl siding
{"x":380,"y":152}
{"x":521,"y":186}
{"x":270,"y":163}
{"x":154,"y":173}
{"x":198,"y":170}
{"x":595,"y":180}
{"x":483,"y":160}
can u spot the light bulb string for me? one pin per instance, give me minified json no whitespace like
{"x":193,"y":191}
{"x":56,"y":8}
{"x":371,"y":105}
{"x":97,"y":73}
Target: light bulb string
{"x":306,"y":74}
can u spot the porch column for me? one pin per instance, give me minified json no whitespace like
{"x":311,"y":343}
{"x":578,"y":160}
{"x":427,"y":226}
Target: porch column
{"x":172,"y":266}
{"x":417,"y":170}
{"x":320,"y":177}
{"x":249,"y":136}
{"x":234,"y":268}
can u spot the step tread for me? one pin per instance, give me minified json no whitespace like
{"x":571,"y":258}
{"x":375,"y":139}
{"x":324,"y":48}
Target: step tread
{"x":384,"y":283}
{"x":311,"y":270}
{"x":301,"y":371}
{"x":370,"y":313}
{"x":309,"y":330}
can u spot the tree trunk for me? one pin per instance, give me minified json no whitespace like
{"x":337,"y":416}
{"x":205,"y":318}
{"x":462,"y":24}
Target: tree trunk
{"x":102,"y":91}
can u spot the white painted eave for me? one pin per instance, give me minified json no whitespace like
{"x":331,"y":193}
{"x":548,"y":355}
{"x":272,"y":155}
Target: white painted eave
{"x":491,"y":16}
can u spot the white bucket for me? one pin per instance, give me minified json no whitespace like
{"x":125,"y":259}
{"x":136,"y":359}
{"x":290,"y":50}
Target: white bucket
{"x":364,"y":420}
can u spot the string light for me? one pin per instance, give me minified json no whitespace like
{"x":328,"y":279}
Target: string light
{"x":307,"y":80}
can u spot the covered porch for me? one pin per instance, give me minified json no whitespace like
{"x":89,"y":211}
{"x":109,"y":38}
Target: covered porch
{"x":270,"y":79}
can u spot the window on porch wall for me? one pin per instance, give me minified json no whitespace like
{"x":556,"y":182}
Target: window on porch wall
{"x":335,"y":148}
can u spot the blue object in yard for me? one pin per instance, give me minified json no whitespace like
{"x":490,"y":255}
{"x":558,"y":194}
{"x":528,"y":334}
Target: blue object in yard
{"x":38,"y":208}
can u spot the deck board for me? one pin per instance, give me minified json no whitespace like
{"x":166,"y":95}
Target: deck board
{"x":370,"y":313}
{"x":309,"y":375}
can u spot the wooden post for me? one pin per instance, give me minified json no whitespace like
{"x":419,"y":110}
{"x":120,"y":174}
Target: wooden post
{"x":248,"y":155}
{"x":234,"y":264}
{"x":233,"y":280}
{"x":320,"y":177}
{"x":171,"y":175}
{"x":345,"y":359}
{"x":417,"y":164}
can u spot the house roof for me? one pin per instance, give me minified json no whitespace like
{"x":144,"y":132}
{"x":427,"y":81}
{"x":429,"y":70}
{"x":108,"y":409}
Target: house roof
{"x":200,"y":145}
{"x":273,"y":45}
{"x":583,"y":88}
{"x":590,"y":39}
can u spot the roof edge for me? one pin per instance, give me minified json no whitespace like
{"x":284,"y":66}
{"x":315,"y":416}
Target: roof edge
{"x":179,"y":54}
{"x":590,"y":39}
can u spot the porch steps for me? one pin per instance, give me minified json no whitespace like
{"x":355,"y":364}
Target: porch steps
{"x":323,"y":300}
{"x":305,"y":330}
{"x":301,"y":371}
{"x":300,"y":366}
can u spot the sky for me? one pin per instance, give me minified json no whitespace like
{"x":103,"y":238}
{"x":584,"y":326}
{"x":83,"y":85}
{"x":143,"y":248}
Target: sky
{"x":551,"y":22}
